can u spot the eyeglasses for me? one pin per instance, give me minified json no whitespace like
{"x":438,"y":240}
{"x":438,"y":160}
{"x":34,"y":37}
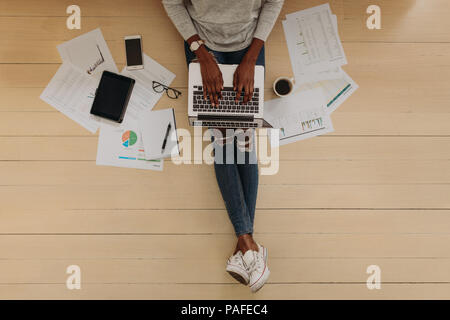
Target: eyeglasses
{"x":171,"y":92}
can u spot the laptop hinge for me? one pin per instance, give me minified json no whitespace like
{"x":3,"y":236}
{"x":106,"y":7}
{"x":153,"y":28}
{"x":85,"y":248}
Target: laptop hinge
{"x":225,"y":117}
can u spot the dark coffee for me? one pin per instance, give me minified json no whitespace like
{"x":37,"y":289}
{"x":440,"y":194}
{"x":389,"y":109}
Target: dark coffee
{"x":283,"y":87}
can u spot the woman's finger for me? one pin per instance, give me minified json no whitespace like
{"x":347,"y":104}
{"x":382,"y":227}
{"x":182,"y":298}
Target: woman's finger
{"x":211,"y":98}
{"x":205,"y":90}
{"x":246,"y":92}
{"x":235,"y":80}
{"x":239,"y":90}
{"x":250,"y":95}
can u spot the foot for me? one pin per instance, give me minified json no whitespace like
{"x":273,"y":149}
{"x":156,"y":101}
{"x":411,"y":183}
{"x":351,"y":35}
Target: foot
{"x":256,"y":264}
{"x":236,"y":268}
{"x":245,"y":242}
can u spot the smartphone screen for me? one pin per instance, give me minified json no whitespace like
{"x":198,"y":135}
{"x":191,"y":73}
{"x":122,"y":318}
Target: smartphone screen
{"x":134,"y":52}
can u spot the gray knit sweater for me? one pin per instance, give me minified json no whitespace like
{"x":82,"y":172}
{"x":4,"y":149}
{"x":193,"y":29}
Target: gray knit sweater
{"x":225,"y":25}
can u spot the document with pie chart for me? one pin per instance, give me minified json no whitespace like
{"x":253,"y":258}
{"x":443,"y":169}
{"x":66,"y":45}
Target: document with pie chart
{"x":122,"y":147}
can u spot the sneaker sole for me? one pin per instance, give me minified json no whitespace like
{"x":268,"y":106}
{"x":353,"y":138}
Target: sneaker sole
{"x":235,"y":272}
{"x":238,"y":277}
{"x":261,"y":281}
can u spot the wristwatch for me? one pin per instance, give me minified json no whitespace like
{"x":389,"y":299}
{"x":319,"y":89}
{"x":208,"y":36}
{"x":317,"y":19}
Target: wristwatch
{"x":196,"y":44}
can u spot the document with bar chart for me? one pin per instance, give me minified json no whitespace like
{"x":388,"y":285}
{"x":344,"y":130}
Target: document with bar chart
{"x":300,"y":116}
{"x":334,"y":91}
{"x":123,"y":147}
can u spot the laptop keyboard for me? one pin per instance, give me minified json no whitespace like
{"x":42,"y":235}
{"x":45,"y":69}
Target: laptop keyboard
{"x":225,"y":124}
{"x":226,"y":103}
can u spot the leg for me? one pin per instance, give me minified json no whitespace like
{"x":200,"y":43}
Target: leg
{"x":236,"y":57}
{"x":227,"y":176}
{"x":248,"y":173}
{"x":249,"y":179}
{"x":247,"y":165}
{"x":230,"y":185}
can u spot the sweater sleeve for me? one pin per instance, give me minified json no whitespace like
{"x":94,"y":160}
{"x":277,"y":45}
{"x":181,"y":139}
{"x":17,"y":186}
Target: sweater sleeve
{"x":267,"y":18}
{"x":177,"y":12}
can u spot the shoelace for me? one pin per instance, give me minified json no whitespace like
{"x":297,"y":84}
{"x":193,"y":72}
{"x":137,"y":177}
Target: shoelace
{"x":255,"y":263}
{"x":237,"y":259}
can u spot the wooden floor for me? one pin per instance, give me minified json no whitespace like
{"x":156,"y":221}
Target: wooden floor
{"x":375,"y":192}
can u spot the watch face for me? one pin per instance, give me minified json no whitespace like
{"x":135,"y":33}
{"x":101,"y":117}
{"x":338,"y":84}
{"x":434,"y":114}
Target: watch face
{"x":194,"y":46}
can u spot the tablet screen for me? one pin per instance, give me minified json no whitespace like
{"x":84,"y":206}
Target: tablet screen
{"x":112,"y":95}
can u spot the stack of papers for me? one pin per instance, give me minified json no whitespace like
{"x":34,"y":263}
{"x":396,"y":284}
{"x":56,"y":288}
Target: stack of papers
{"x":114,"y":146}
{"x":321,"y":86}
{"x":72,"y":90}
{"x":314,"y":45}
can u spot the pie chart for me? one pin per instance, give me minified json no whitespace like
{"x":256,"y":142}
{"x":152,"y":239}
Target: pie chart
{"x":129,"y":138}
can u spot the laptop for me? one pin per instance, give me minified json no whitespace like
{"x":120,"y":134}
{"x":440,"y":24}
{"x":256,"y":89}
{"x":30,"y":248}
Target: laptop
{"x":228,"y":114}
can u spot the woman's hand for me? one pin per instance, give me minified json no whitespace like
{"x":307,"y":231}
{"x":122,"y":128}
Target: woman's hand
{"x":211,"y":76}
{"x":244,"y":76}
{"x":244,"y":80}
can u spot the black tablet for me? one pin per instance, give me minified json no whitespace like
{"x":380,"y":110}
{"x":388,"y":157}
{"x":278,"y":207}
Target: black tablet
{"x":112,"y":96}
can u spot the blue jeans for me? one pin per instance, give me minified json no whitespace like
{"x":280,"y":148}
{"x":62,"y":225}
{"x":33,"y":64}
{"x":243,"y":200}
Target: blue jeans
{"x":238,"y":182}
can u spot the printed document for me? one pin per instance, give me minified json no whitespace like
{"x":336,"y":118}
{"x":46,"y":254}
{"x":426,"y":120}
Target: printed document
{"x":314,"y":45}
{"x":154,"y":127}
{"x":143,"y":96}
{"x":298,"y":116}
{"x":71,"y":92}
{"x":317,"y":42}
{"x":123,"y":147}
{"x":334,"y":91}
{"x":88,"y":52}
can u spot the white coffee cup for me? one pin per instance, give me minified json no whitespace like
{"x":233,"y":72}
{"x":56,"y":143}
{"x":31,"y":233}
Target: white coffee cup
{"x":283,"y":86}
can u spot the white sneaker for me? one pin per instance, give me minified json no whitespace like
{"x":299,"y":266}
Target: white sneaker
{"x":256,"y":264}
{"x":236,"y":268}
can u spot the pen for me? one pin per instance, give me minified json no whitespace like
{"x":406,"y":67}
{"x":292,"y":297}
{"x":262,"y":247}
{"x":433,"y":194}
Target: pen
{"x":165,"y":138}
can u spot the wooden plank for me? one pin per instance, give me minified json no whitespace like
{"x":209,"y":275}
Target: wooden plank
{"x":320,"y":148}
{"x":225,"y":291}
{"x":204,"y":271}
{"x":182,"y":221}
{"x":100,"y":247}
{"x":123,"y":8}
{"x":38,"y":75}
{"x":113,"y":28}
{"x":402,"y":21}
{"x":57,"y":124}
{"x":45,"y":51}
{"x":185,"y":195}
{"x":141,"y":18}
{"x":307,"y":172}
{"x":99,"y":8}
{"x":387,"y":80}
{"x":405,"y":21}
{"x":54,"y":124}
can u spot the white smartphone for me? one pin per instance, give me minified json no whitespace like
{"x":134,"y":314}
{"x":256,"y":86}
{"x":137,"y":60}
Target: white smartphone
{"x":133,"y":51}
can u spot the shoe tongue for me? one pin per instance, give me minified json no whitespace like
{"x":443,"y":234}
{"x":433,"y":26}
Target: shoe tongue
{"x":248,"y":257}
